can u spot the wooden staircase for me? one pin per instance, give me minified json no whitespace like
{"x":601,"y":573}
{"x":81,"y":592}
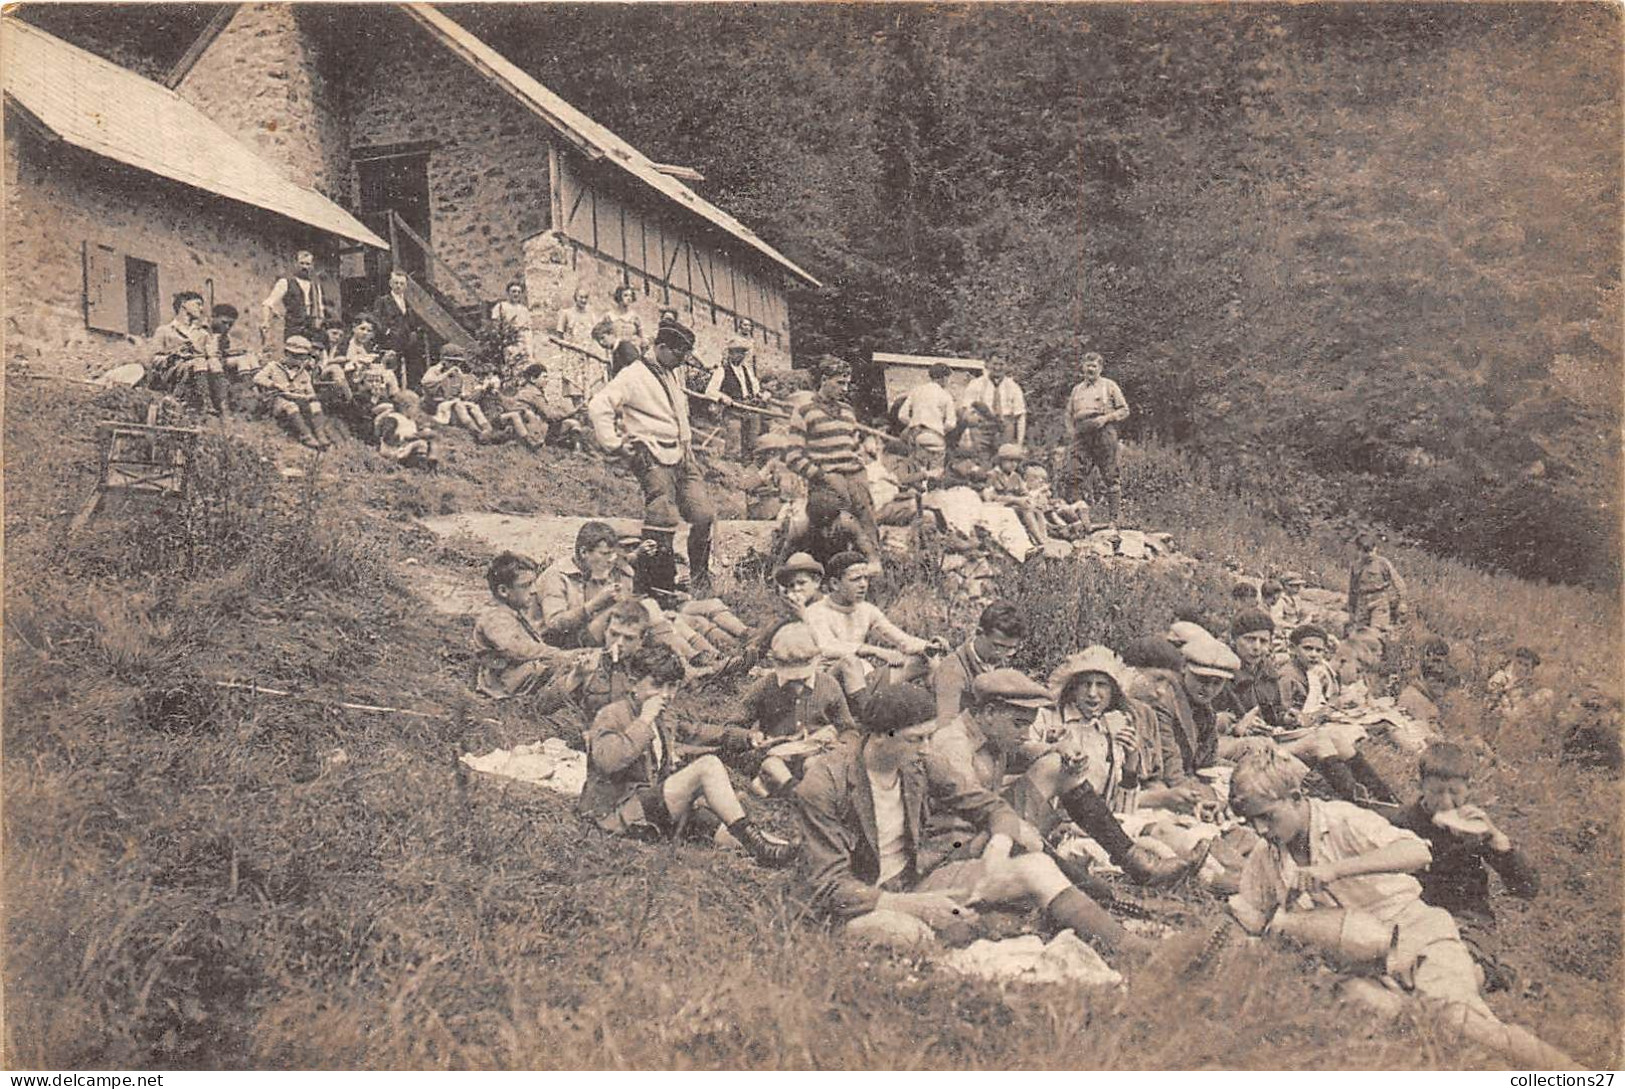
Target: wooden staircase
{"x":448,"y":304}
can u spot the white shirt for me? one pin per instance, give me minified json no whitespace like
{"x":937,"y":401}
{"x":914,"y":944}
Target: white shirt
{"x":574,"y":326}
{"x":1005,"y":399}
{"x":889,"y":827}
{"x":841,"y":629}
{"x":931,"y":407}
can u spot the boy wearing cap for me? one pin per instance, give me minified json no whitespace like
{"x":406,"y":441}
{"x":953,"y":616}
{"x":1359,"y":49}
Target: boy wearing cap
{"x":863,"y":811}
{"x":633,"y":782}
{"x":795,"y":705}
{"x":1086,"y":754}
{"x":845,"y":623}
{"x":287,"y":384}
{"x":1188,"y":735}
{"x":1094,"y":408}
{"x":1007,"y":485}
{"x":1340,"y":879}
{"x":825,"y":450}
{"x":642,"y":413}
{"x":1466,"y":845}
{"x":1376,"y":592}
{"x":450,"y":394}
{"x":1292,"y":610}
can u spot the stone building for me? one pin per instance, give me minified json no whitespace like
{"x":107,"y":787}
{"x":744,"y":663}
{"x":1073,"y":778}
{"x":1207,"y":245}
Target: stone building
{"x":119,"y":194}
{"x":476,"y":173}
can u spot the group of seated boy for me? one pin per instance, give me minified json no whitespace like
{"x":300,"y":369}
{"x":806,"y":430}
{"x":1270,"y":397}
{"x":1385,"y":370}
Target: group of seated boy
{"x":333,"y":370}
{"x":932,"y":783}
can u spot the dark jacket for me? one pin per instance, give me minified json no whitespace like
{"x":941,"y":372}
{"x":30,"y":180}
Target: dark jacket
{"x":397,"y":329}
{"x":621,"y":759}
{"x":1187,"y":733}
{"x":1256,"y":685}
{"x":1458,"y":878}
{"x":840,"y":844}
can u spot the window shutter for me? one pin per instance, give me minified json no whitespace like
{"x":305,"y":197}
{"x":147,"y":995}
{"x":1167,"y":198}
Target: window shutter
{"x":106,"y":307}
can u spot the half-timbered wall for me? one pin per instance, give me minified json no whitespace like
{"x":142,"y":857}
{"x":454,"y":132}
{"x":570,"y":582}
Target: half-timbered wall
{"x":708,"y":277}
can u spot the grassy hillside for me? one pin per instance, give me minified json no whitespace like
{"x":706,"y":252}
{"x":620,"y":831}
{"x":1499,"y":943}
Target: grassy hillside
{"x":198,"y":877}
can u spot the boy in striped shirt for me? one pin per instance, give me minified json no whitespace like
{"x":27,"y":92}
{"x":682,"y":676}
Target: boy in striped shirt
{"x":825,"y":450}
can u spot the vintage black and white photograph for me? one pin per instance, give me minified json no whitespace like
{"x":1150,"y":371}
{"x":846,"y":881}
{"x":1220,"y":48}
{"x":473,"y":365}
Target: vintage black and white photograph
{"x":813,"y":536}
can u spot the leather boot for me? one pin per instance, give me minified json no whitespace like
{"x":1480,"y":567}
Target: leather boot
{"x":1075,"y":911}
{"x":763,"y":850}
{"x":295,"y":423}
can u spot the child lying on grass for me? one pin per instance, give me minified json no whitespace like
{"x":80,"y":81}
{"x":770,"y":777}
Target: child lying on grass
{"x":1339,"y":880}
{"x":634,"y":784}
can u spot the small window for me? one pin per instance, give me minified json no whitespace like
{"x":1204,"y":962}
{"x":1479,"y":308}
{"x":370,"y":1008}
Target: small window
{"x":141,"y":296}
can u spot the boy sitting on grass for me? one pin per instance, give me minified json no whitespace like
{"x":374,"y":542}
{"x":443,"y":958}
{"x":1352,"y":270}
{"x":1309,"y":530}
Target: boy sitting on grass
{"x":634,"y":785}
{"x":513,"y":657}
{"x":864,"y":809}
{"x":795,"y":705}
{"x":1007,"y":485}
{"x":1063,"y":521}
{"x":1339,"y":879}
{"x":1465,"y":846}
{"x":846,"y":622}
{"x":400,"y":439}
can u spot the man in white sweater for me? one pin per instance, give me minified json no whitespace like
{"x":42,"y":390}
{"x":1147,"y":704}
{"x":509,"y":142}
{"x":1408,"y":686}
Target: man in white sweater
{"x":642,"y":414}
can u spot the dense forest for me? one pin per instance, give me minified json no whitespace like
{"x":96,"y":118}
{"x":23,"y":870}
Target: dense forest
{"x":1365,"y":256}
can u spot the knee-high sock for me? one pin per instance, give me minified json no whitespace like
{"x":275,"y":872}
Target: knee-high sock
{"x":699,"y":554}
{"x":1091,"y":813}
{"x":1088,"y":919}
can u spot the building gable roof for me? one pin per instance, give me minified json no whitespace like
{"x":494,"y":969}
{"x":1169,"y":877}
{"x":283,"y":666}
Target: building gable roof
{"x":592,"y":139}
{"x":110,"y":111}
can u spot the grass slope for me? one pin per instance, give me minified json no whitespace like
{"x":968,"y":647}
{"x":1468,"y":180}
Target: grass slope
{"x":202,"y":878}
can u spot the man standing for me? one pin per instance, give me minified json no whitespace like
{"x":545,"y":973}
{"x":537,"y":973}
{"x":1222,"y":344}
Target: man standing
{"x":298,"y":298}
{"x":643,"y":411}
{"x":737,"y":380}
{"x":930,"y":406}
{"x":400,"y":330}
{"x":994,"y":409}
{"x":1376,"y":592}
{"x":825,"y":451}
{"x":1095,"y":408}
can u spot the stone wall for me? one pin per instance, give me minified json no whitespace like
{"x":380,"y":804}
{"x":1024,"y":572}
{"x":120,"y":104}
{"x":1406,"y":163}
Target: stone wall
{"x":488,"y":174}
{"x":60,"y":198}
{"x":554,"y":267}
{"x":262,"y":79}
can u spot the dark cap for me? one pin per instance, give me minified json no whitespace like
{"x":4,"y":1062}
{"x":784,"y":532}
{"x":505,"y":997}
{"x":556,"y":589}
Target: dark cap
{"x":1250,"y":621}
{"x":897,"y":707}
{"x":676,"y":336}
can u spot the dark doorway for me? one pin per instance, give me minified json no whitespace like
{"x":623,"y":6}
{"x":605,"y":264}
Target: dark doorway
{"x":394,"y":181}
{"x":141,"y":296}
